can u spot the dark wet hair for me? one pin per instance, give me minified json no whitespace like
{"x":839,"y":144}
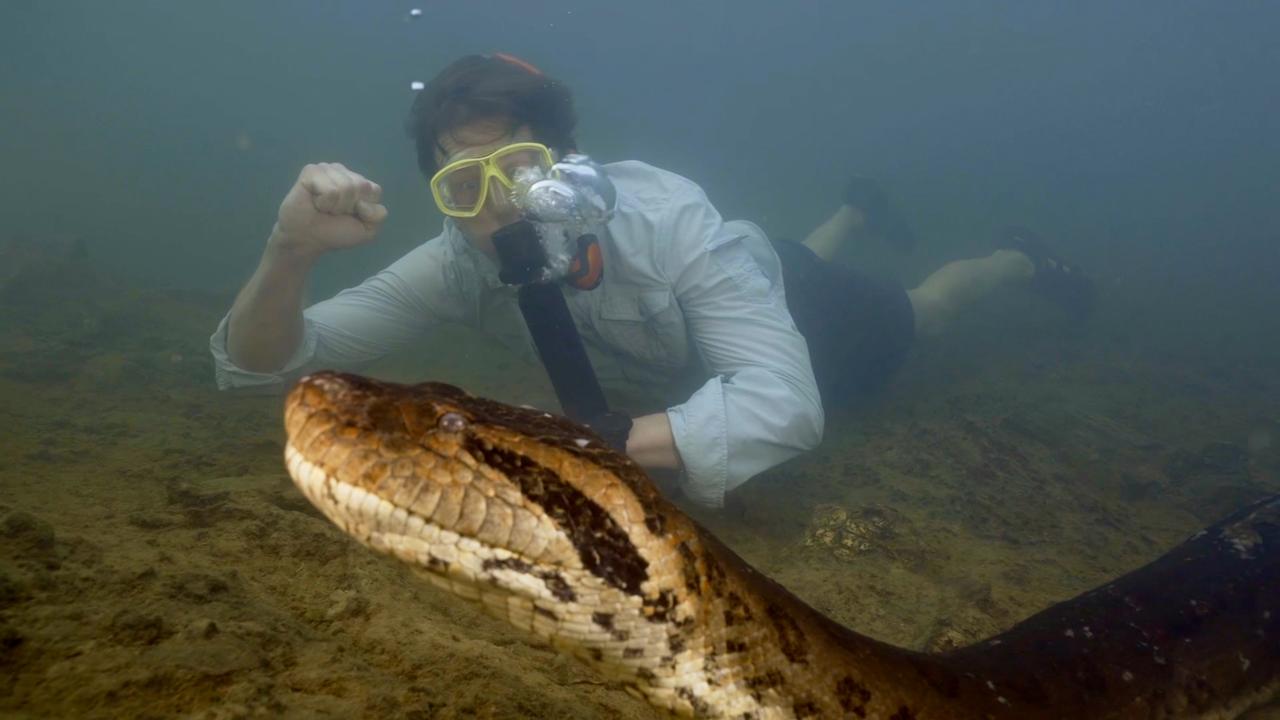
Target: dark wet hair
{"x":491,"y":87}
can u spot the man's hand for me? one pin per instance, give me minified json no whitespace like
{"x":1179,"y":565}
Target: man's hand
{"x":328,"y":208}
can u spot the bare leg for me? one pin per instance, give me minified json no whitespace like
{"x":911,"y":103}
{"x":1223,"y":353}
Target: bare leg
{"x":958,"y":284}
{"x":826,"y":239}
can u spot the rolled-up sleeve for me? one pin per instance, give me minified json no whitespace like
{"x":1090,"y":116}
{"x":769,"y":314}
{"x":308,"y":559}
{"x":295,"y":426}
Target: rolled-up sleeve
{"x":358,"y":325}
{"x":761,"y":405}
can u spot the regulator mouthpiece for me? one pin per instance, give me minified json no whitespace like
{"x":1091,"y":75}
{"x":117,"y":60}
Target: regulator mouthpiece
{"x":574,"y":199}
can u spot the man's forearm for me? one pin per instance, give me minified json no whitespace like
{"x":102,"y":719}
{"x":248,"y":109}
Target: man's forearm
{"x":651,"y":443}
{"x":265,"y":324}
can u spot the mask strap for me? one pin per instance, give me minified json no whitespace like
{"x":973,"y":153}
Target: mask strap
{"x":513,"y":60}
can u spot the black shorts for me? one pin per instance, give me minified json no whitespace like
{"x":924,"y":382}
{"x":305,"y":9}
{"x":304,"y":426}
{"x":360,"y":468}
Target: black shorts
{"x":859,"y":328}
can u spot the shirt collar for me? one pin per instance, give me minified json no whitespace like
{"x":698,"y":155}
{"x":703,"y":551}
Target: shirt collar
{"x":483,"y":267}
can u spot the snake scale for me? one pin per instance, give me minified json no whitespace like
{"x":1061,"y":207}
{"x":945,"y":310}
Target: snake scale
{"x":534,"y":517}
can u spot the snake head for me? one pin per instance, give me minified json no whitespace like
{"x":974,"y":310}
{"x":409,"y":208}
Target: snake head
{"x":484,"y":496}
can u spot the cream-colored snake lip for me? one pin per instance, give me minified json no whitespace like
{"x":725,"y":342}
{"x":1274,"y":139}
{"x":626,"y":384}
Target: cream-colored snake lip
{"x":537,"y":519}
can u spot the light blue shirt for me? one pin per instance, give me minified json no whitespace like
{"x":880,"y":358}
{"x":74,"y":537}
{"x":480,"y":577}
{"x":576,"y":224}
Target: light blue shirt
{"x":688,"y":304}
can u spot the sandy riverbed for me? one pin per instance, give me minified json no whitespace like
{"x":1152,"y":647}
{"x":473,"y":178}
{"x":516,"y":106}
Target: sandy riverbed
{"x":156,"y":561}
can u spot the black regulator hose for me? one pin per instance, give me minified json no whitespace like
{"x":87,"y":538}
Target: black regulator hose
{"x":556,"y":337}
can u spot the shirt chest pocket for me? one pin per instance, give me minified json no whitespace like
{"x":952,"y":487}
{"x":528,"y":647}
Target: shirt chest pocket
{"x":644,"y":323}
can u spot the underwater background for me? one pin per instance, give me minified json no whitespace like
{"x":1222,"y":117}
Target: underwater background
{"x":155,"y":560}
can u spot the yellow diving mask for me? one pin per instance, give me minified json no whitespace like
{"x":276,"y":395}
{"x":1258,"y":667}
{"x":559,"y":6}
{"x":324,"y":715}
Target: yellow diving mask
{"x":461,"y":187}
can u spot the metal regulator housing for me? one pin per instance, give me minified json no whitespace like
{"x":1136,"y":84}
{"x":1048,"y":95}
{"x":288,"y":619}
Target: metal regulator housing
{"x":575,"y":198}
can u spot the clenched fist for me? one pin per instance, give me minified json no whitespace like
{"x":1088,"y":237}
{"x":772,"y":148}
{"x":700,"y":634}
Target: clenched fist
{"x":330,"y":207}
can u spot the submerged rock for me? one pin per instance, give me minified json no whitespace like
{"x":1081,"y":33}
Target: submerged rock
{"x":28,"y":531}
{"x":851,"y":532}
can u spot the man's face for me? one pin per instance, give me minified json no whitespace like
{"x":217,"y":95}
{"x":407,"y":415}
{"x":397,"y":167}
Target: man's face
{"x":477,"y":139}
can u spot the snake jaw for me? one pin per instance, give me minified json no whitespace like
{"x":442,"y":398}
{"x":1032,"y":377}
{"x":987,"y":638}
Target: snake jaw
{"x":459,"y":562}
{"x":554,"y":600}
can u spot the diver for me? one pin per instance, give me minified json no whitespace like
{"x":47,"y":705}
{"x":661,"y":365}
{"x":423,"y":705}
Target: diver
{"x":682,"y":314}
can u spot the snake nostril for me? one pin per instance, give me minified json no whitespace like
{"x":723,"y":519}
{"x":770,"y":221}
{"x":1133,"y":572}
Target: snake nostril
{"x":452,"y":422}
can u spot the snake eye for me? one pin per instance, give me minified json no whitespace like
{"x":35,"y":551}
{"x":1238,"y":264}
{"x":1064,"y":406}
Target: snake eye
{"x":452,"y":422}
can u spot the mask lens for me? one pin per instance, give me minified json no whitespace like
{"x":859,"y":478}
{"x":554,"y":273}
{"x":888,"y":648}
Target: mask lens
{"x":460,"y":188}
{"x":511,"y":160}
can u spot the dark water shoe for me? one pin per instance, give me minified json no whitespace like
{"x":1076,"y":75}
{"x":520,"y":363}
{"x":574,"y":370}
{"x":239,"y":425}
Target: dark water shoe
{"x":882,"y":218}
{"x":1059,"y":281}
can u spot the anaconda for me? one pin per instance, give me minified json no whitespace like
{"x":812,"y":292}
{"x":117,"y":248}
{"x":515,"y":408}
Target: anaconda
{"x":538,"y":520}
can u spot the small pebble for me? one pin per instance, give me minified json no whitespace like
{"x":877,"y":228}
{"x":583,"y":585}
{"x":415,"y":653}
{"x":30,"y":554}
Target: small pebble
{"x":204,"y":628}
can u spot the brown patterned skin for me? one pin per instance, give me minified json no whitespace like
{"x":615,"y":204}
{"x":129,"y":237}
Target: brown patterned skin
{"x":537,"y":519}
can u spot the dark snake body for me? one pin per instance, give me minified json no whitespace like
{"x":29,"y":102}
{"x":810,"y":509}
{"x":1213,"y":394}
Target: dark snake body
{"x":534,"y":517}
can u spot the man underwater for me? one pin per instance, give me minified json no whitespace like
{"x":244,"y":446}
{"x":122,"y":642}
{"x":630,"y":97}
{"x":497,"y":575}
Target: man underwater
{"x":685,"y":323}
